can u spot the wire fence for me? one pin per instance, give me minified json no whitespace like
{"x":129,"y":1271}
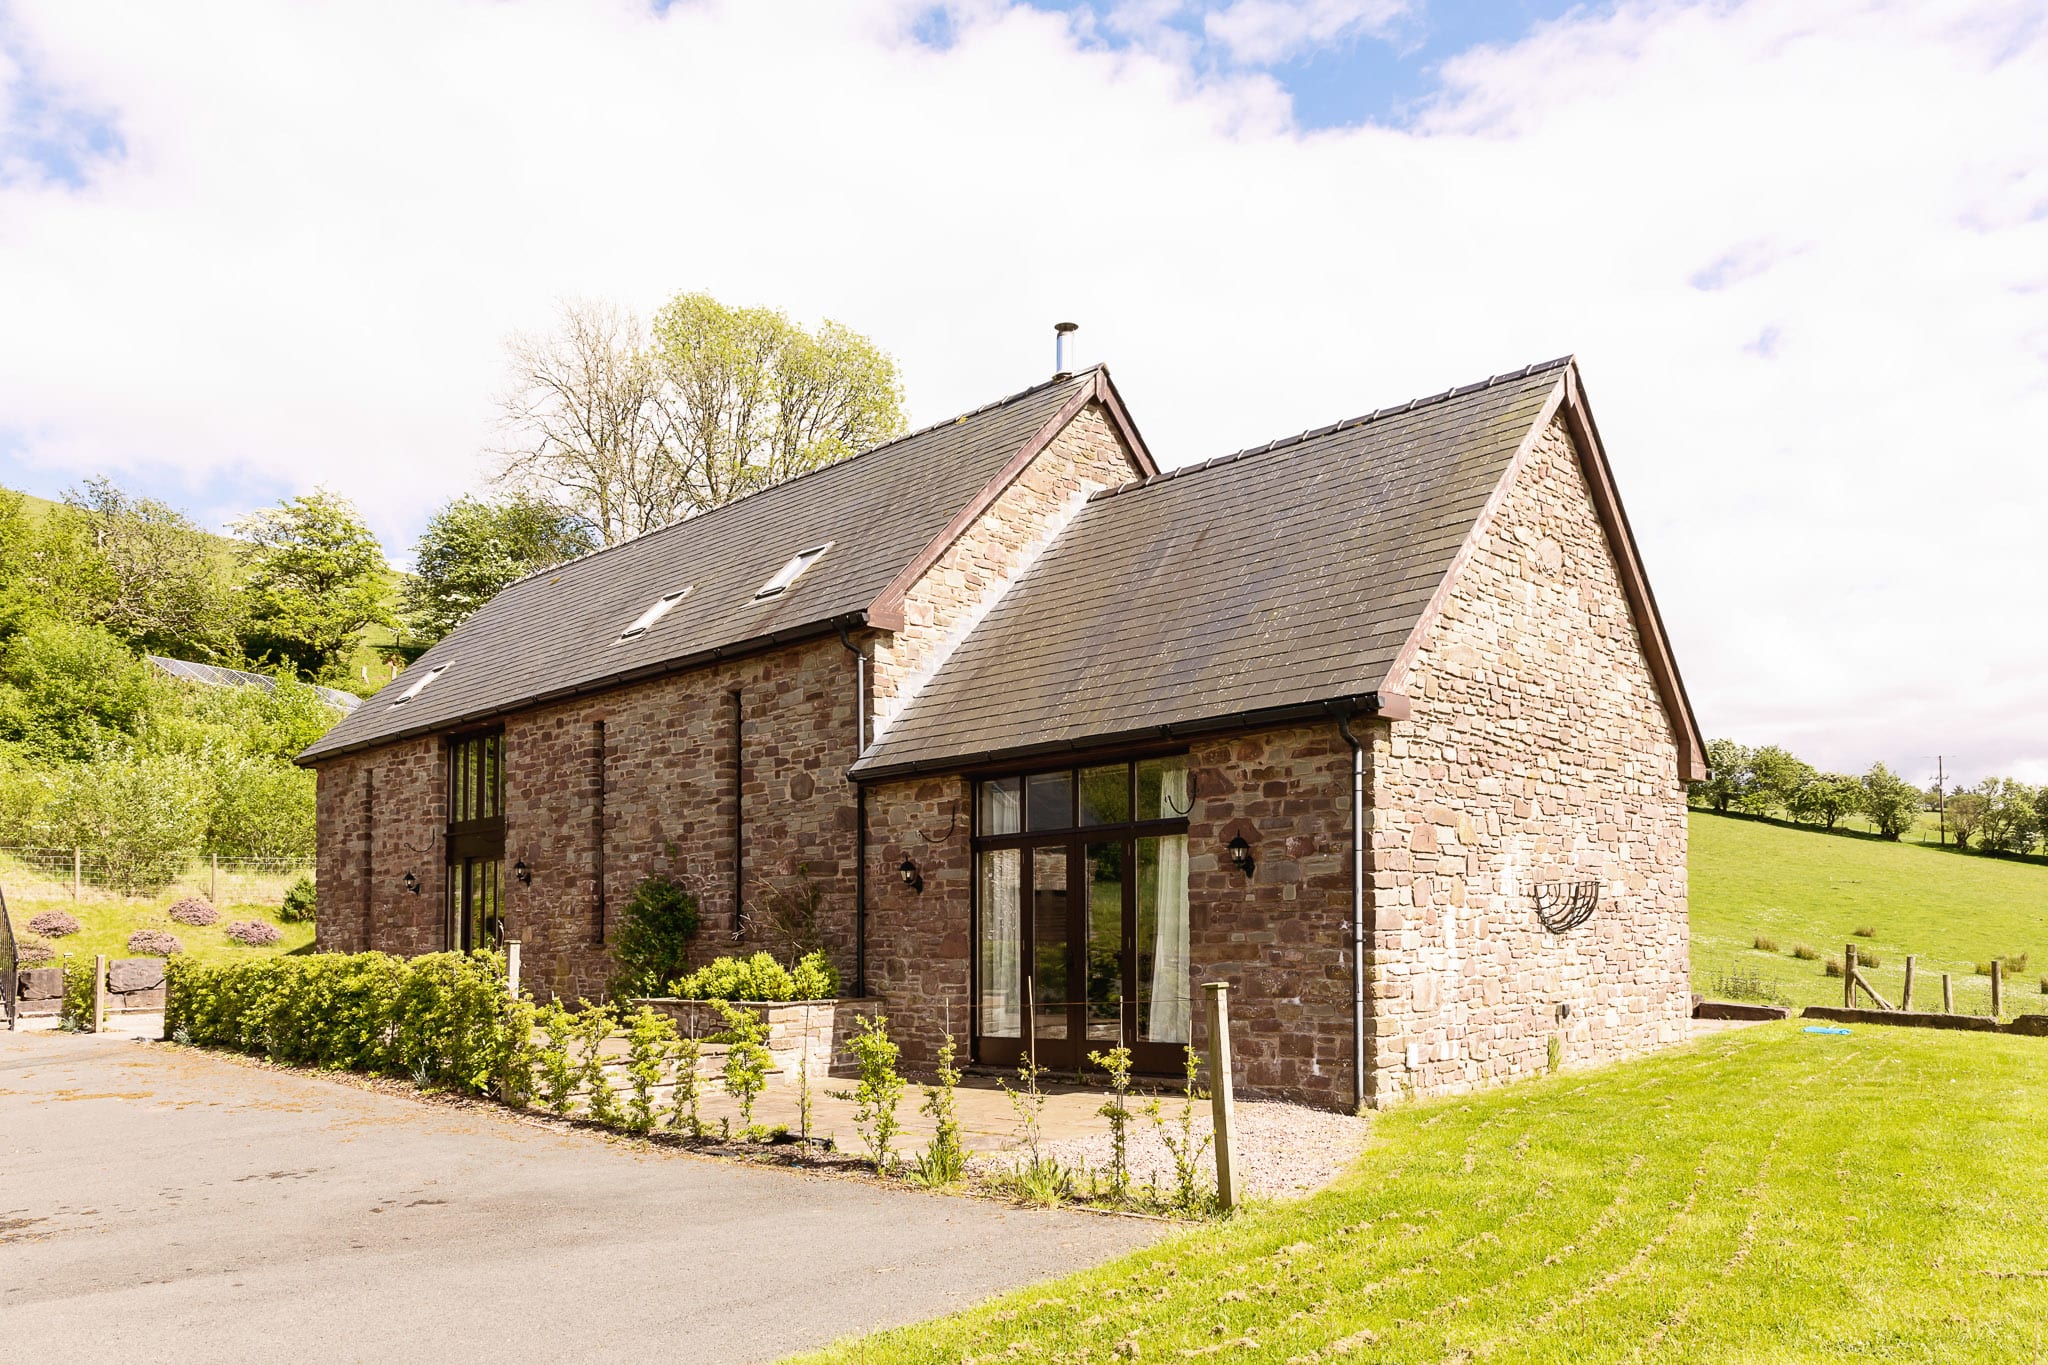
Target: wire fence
{"x":1755,"y":979}
{"x":81,"y":875}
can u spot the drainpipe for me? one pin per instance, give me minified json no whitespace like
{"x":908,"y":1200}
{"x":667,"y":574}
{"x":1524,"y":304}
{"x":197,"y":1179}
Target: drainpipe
{"x":1357,"y":910}
{"x":860,"y":816}
{"x":739,"y":817}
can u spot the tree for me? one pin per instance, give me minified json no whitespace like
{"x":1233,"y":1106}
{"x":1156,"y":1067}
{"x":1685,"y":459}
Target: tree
{"x":67,"y":691}
{"x":1965,"y":816}
{"x":472,"y":548}
{"x":316,"y":578}
{"x":2010,"y":824}
{"x":1891,"y":802}
{"x":629,"y":431}
{"x":1776,"y":777}
{"x":156,"y":580}
{"x":1728,"y":777}
{"x":1826,"y":798}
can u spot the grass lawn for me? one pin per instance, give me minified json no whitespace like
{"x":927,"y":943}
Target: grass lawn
{"x":1953,"y":910}
{"x":108,"y":924}
{"x":1761,"y":1195}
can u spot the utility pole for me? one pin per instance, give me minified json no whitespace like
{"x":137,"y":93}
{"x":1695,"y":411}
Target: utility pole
{"x":1941,"y":796}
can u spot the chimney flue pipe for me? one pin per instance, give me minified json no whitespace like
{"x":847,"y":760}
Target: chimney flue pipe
{"x":1063,"y":347}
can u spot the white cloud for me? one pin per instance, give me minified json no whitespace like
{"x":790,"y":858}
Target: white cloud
{"x":1803,"y":257}
{"x":1259,"y":32}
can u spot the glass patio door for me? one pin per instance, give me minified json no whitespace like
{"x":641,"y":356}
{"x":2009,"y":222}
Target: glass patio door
{"x":474,"y":914}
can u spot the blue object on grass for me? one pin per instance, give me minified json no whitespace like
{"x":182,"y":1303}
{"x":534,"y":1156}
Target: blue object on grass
{"x":1816,"y":1028}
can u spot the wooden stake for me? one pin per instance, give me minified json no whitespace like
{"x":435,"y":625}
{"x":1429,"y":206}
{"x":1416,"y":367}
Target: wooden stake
{"x":512,"y":968}
{"x":1997,"y":989}
{"x":213,"y":880}
{"x":1906,"y":991}
{"x":1875,"y":998}
{"x":99,"y":992}
{"x":1849,"y":977}
{"x":1222,"y":1107}
{"x":1948,"y":994}
{"x":75,"y":861}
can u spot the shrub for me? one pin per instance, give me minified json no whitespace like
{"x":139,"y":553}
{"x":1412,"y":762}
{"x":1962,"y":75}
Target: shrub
{"x":299,"y":904}
{"x":1865,"y":932}
{"x":1806,"y":952}
{"x":814,"y":978}
{"x":54,"y":924}
{"x":650,"y":1039}
{"x":143,"y":813}
{"x":1117,"y":1109}
{"x":441,"y":1018}
{"x":154,"y":943}
{"x":759,"y":978}
{"x":31,"y":951}
{"x":254,"y":933}
{"x":1747,"y":984}
{"x":2012,"y":964}
{"x":653,"y":936}
{"x":1833,"y":967}
{"x":880,"y":1087}
{"x":746,"y":1060}
{"x":2044,"y":985}
{"x":1866,"y":957}
{"x":1764,"y":943}
{"x":195,"y":910}
{"x":260,"y":808}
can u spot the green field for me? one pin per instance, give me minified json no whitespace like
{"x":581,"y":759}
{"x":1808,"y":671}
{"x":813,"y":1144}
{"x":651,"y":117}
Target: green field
{"x":1953,"y":910}
{"x":1760,"y":1195}
{"x":244,"y":891}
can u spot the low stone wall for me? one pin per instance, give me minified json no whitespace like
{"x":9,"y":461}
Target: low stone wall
{"x":135,"y":985}
{"x":796,"y":1028}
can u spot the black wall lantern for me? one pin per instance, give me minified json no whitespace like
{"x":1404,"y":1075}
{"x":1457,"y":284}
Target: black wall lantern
{"x":412,"y":883}
{"x":912,"y":878}
{"x":524,"y":873}
{"x":1241,"y":855}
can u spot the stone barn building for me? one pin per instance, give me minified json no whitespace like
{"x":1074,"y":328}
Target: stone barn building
{"x":1377,"y":723}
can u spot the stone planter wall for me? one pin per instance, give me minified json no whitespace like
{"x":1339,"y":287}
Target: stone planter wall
{"x":818,"y":1028}
{"x":135,"y":985}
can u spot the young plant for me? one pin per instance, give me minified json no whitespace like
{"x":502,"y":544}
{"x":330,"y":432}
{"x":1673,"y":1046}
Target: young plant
{"x":553,"y":1059}
{"x":682,"y":1111}
{"x":521,"y":1057}
{"x":746,"y":1061}
{"x":1117,"y":1109}
{"x":1027,"y":1102}
{"x":803,"y":1083}
{"x":1556,"y":1050}
{"x":877,"y":1091}
{"x":593,"y":1027}
{"x":944,"y":1161}
{"x":1179,"y":1136}
{"x":649,"y":1039}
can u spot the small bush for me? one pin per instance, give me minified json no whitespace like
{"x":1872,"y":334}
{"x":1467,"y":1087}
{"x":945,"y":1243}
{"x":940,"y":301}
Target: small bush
{"x":1833,"y":967}
{"x":653,"y":938}
{"x":254,"y":933}
{"x":1764,"y":943}
{"x":299,"y":903}
{"x":814,"y":977}
{"x":2012,"y":964}
{"x":1806,"y":952}
{"x":2044,"y":985}
{"x":874,"y":1055}
{"x":30,"y":951}
{"x":196,"y":911}
{"x":1865,"y":957}
{"x":154,"y":943}
{"x":759,"y":978}
{"x":1865,"y":932}
{"x":54,"y":924}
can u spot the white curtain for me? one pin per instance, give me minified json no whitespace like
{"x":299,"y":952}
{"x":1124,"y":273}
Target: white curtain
{"x":1171,"y":989}
{"x":1001,"y":938}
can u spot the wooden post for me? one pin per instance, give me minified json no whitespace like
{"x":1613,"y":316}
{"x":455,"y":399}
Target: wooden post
{"x":1997,"y":989}
{"x":1222,"y":1107}
{"x":1906,"y":991}
{"x":75,"y":861}
{"x":1948,"y":994}
{"x":1849,"y":977}
{"x":99,"y":992}
{"x":1030,"y":1023}
{"x":213,"y":879}
{"x":512,"y":968}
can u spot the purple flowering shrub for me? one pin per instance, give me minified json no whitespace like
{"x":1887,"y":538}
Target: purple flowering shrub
{"x":154,"y":943}
{"x":195,"y":910}
{"x":54,"y":924}
{"x":255,"y":933}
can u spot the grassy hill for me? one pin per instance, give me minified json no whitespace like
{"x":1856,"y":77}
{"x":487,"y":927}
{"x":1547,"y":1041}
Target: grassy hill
{"x":1954,"y":910}
{"x":1762,"y":1195}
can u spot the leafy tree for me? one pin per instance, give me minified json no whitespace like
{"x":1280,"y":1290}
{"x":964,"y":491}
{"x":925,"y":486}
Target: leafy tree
{"x":1826,"y":798}
{"x":66,"y":691}
{"x":472,"y":548}
{"x":1776,"y":777}
{"x":316,"y":578}
{"x":2011,"y":823}
{"x":1891,"y":802}
{"x":47,"y":570}
{"x":153,"y":578}
{"x":1728,"y":777}
{"x":1965,"y":816}
{"x":260,"y":808}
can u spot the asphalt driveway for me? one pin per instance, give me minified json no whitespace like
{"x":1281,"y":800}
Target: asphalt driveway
{"x":162,"y":1203}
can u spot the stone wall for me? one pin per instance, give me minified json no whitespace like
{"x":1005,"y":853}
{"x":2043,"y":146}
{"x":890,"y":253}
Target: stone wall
{"x":1538,"y":751}
{"x":797,"y":1029}
{"x":135,"y":985}
{"x":951,"y":596}
{"x":919,"y":941}
{"x":382,"y":814}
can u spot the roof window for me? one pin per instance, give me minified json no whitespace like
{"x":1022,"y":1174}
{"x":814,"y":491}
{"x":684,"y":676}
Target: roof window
{"x":654,"y":613}
{"x":790,"y":572}
{"x":421,"y":685}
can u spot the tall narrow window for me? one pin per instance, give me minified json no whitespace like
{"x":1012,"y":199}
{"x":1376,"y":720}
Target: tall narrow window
{"x":790,"y":572}
{"x":476,"y":841}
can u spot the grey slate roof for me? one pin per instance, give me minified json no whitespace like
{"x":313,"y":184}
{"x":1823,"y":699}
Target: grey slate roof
{"x":556,"y":632}
{"x":1286,"y":575}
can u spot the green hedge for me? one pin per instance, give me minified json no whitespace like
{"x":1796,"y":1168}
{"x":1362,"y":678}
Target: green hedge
{"x":443,"y":1019}
{"x":759,"y":978}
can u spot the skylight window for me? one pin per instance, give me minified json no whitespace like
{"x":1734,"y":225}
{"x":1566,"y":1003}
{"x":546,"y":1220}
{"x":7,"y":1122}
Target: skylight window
{"x":654,"y":613}
{"x":790,"y":572}
{"x":421,"y":685}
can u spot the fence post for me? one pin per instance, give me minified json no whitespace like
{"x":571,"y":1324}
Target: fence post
{"x":1222,"y":1108}
{"x":213,"y":879}
{"x":75,"y":860}
{"x":1906,"y":992}
{"x":512,"y":967}
{"x":1997,"y":989}
{"x":99,"y":992}
{"x":1849,"y":977}
{"x":1948,"y":995}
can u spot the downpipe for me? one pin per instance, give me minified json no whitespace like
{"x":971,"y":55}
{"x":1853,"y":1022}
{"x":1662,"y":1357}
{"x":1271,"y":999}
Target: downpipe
{"x":1358,"y":1095}
{"x":860,"y":815}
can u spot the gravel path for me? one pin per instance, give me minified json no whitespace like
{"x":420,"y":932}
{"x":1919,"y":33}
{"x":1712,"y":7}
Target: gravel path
{"x":1284,"y":1150}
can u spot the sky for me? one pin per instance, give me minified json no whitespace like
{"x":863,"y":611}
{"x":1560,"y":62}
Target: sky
{"x":1800,"y":250}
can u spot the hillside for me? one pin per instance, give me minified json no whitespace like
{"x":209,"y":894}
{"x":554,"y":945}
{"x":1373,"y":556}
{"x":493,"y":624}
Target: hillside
{"x":1954,"y":910}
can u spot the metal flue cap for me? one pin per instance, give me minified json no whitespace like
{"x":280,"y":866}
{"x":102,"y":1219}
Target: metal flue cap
{"x":1063,"y":347}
